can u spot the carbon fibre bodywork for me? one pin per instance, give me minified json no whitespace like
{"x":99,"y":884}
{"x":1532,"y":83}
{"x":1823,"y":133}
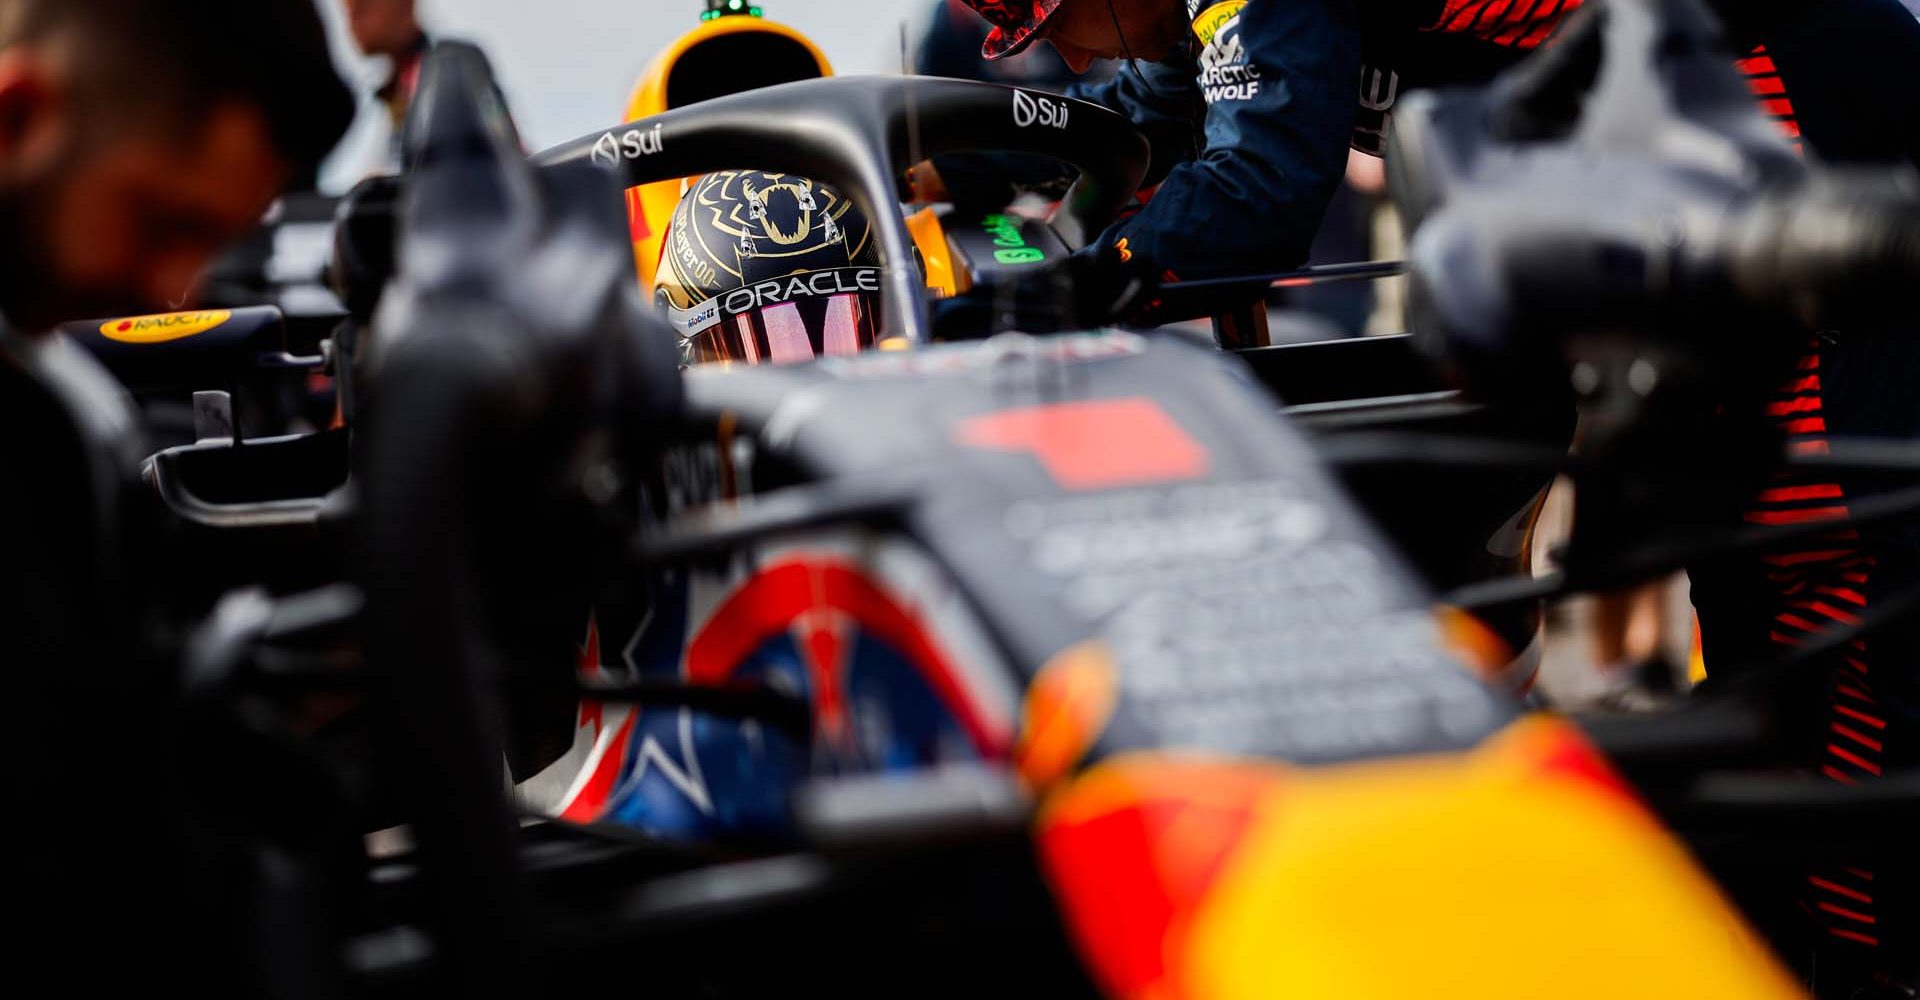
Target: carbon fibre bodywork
{"x":1130,"y":493}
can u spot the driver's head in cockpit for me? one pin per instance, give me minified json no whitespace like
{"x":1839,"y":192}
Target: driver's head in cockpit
{"x":761,"y":267}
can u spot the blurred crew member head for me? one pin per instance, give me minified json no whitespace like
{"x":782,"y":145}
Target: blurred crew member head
{"x":389,"y":29}
{"x":1085,"y":30}
{"x":138,"y":138}
{"x":384,"y":27}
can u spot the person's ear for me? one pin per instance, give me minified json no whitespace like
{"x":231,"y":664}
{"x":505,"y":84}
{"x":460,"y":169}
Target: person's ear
{"x":32,"y":113}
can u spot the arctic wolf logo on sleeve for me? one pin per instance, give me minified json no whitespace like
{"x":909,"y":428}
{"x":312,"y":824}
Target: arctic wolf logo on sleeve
{"x":1226,"y":74}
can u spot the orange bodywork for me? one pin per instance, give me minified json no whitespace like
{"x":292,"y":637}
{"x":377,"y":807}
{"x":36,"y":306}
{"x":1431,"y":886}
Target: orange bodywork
{"x":936,"y":255}
{"x":1067,"y":708}
{"x":650,"y":206}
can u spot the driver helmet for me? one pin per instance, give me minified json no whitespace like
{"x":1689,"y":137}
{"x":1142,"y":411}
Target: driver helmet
{"x":768,"y":268}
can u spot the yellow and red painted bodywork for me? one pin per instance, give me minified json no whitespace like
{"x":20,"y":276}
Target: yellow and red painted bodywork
{"x":1521,"y":869}
{"x":651,"y":205}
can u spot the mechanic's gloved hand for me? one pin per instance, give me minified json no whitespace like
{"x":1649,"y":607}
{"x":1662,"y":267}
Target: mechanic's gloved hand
{"x":1099,"y":285}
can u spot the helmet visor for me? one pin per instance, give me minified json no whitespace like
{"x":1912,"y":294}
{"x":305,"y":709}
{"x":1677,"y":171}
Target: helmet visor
{"x":833,"y":314}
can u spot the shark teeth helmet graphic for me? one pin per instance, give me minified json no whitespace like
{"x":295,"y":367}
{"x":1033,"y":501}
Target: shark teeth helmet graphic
{"x":766,"y":268}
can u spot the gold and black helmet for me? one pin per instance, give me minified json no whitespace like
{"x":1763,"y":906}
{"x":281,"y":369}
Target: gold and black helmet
{"x":761,"y":267}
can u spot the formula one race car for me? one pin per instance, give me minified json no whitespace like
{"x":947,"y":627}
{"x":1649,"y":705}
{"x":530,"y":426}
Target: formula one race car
{"x":1059,"y":664}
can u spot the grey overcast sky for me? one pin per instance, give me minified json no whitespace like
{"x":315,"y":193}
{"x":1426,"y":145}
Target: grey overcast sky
{"x":567,"y":65}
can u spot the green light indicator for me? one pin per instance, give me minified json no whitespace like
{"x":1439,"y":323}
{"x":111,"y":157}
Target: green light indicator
{"x":717,"y":9}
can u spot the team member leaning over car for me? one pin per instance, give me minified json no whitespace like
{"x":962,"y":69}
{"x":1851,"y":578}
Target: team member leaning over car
{"x":1250,"y":106}
{"x":136,"y":139}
